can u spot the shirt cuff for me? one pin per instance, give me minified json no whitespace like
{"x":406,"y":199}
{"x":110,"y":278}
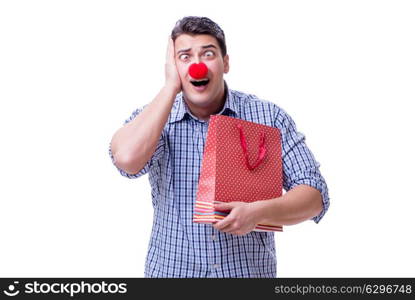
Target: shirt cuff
{"x":321,"y":186}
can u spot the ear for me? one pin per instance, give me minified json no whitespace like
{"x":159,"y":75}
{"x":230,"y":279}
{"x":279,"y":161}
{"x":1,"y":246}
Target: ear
{"x":226,"y":64}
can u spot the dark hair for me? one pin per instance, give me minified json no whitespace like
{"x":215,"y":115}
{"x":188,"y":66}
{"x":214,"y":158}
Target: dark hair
{"x":200,"y":25}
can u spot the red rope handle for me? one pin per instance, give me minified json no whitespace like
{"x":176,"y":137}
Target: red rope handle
{"x":261,"y":151}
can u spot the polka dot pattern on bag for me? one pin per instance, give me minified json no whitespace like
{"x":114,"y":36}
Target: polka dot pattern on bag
{"x":224,"y":174}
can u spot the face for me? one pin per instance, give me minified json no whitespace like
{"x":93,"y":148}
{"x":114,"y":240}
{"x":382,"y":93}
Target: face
{"x":204,"y":48}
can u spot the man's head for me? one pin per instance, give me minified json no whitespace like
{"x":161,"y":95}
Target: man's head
{"x":200,"y":40}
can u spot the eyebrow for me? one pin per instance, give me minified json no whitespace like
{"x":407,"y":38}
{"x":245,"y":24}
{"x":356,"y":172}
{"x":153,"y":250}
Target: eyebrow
{"x":183,"y":50}
{"x":209,"y":46}
{"x":203,"y":47}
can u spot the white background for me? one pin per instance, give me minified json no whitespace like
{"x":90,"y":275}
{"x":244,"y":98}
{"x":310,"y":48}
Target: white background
{"x":72,"y":71}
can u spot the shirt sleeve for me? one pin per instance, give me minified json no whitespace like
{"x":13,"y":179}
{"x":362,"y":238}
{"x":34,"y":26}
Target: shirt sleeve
{"x":158,"y":153}
{"x":299,"y":164}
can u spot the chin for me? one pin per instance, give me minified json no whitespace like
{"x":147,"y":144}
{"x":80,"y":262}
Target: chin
{"x":199,"y":100}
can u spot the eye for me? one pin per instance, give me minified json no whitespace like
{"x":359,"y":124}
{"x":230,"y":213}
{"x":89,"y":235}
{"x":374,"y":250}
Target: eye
{"x":183,"y":56}
{"x":209,"y":53}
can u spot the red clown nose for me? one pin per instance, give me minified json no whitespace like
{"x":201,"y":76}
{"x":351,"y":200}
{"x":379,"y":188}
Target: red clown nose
{"x":198,"y":71}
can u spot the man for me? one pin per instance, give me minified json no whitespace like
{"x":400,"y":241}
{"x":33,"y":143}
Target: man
{"x":166,"y":139}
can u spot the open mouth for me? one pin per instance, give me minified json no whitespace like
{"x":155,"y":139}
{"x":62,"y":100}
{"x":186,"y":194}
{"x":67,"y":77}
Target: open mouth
{"x":200,"y":82}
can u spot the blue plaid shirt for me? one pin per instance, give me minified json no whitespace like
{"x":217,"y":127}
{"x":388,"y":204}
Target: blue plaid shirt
{"x":180,"y":248}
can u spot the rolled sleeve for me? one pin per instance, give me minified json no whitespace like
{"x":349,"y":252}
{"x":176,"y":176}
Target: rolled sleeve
{"x":299,"y":164}
{"x":158,"y":153}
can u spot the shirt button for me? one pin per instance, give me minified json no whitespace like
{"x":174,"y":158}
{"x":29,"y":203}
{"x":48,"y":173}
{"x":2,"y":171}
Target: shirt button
{"x":215,"y":266}
{"x":213,"y":237}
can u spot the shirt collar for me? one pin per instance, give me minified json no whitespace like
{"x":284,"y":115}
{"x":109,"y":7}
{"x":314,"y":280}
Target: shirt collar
{"x":180,"y":109}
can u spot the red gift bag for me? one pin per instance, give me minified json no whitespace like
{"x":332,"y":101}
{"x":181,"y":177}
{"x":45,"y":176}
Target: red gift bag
{"x":241,"y":162}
